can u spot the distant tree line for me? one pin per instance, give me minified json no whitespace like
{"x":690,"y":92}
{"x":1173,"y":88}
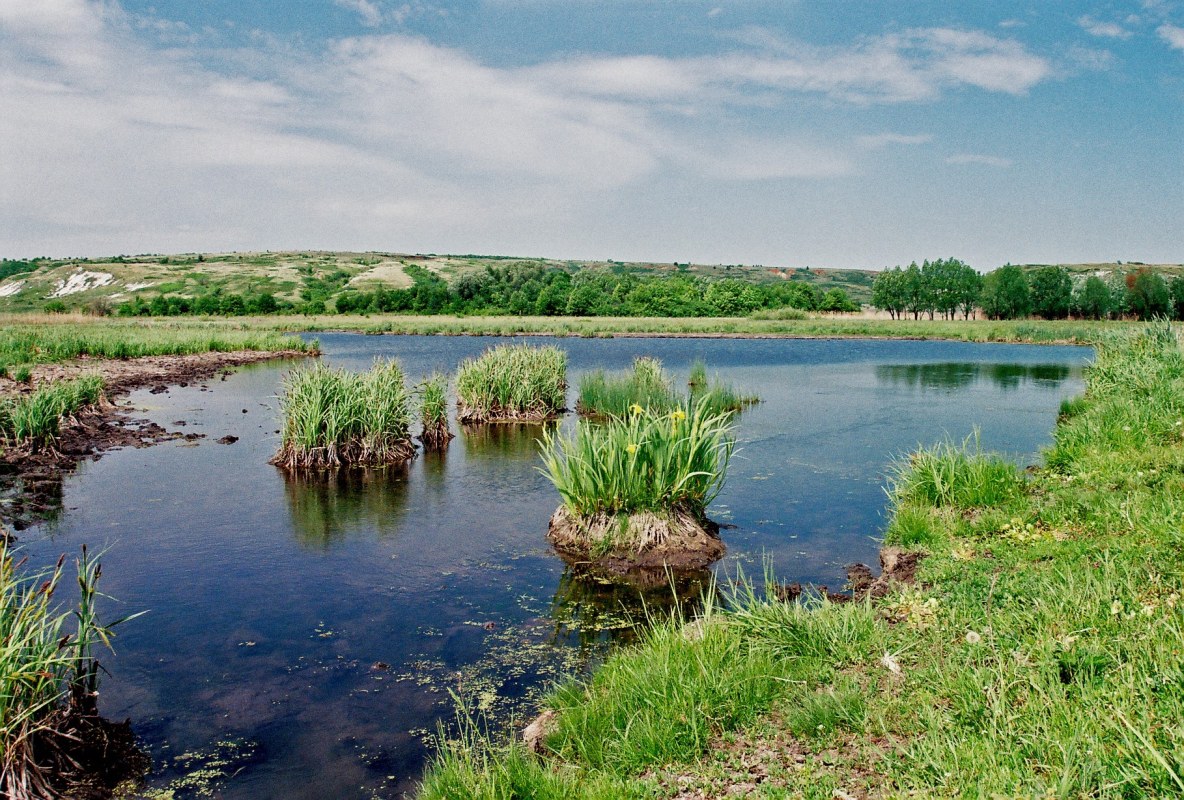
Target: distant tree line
{"x":517,"y":290}
{"x":949,"y":287}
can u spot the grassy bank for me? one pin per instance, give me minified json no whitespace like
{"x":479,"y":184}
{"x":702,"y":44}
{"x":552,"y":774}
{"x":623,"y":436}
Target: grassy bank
{"x":246,"y":331}
{"x":49,"y":338}
{"x":1039,"y":655}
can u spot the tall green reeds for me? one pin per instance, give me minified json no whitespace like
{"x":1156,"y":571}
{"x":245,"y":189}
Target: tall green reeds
{"x":48,"y":674}
{"x":512,"y":382}
{"x":645,"y":461}
{"x":647,"y":384}
{"x":34,"y":420}
{"x":433,"y":412}
{"x":608,"y":394}
{"x":957,"y":476}
{"x":334,"y":417}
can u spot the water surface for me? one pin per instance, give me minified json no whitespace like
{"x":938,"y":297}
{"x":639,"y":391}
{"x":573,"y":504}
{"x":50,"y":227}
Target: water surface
{"x":308,"y":632}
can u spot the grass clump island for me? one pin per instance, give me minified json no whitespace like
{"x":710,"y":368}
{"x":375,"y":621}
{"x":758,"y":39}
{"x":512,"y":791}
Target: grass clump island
{"x":1038,"y":653}
{"x":433,"y":412}
{"x":635,"y":488}
{"x":512,"y":383}
{"x":607,"y":394}
{"x":334,"y":417}
{"x":52,"y":741}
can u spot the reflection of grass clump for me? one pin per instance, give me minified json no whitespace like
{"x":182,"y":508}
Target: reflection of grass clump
{"x":334,"y":417}
{"x":512,"y":382}
{"x":433,"y":412}
{"x":34,"y":419}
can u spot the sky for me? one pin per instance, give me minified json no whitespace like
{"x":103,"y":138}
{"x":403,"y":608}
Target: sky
{"x":866,"y":133}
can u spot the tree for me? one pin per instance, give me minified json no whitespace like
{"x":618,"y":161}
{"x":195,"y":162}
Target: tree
{"x":837,"y":300}
{"x":1177,"y":289}
{"x":1052,"y":291}
{"x":1005,"y":293}
{"x":917,"y":297}
{"x":1092,"y":300}
{"x":968,"y":288}
{"x":888,"y":292}
{"x":1149,"y":296}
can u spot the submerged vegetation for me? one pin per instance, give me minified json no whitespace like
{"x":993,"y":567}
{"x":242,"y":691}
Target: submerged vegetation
{"x":1036,"y":655}
{"x":512,"y":383}
{"x":33,"y":420}
{"x":334,"y":417}
{"x":433,"y":412}
{"x":51,"y":738}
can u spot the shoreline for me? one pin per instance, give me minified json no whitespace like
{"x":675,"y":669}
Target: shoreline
{"x":30,"y":480}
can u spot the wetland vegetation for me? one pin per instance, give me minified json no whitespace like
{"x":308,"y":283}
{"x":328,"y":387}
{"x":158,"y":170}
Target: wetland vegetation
{"x":1036,"y":654}
{"x":336,"y":417}
{"x":512,"y":383}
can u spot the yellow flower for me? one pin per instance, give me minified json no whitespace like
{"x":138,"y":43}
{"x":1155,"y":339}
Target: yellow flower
{"x":631,"y":449}
{"x":678,"y":415}
{"x":635,"y":409}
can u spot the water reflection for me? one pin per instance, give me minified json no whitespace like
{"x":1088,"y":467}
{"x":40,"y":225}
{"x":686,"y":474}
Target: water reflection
{"x":325,"y":507}
{"x":595,"y":610}
{"x":500,"y":440}
{"x":956,"y":375}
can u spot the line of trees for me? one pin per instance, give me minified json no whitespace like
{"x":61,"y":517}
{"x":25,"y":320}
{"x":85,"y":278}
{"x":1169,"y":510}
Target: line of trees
{"x":949,"y":287}
{"x":522,"y":290}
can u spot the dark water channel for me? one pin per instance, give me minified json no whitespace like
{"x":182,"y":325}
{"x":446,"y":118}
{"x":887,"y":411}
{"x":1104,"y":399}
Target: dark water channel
{"x":303,"y":636}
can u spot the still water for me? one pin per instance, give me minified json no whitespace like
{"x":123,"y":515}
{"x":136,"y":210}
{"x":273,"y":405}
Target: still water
{"x":304,"y":637}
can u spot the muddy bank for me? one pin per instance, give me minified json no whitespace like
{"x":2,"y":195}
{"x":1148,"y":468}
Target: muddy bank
{"x":31,"y":478}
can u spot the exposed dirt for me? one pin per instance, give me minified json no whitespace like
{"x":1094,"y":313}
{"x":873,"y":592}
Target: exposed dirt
{"x":31,"y":478}
{"x":897,"y":567}
{"x":470,"y":415}
{"x":659,"y":545}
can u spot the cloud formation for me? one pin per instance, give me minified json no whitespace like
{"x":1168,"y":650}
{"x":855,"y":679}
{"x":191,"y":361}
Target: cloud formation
{"x":982,"y":160}
{"x":1173,"y":35}
{"x":117,"y":143}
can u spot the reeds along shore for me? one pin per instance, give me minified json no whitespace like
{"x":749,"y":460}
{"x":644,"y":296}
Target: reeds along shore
{"x":512,"y":383}
{"x":333,"y":417}
{"x":49,"y":674}
{"x":33,"y":420}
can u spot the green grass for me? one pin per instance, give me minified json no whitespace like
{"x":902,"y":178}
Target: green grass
{"x":644,"y":461}
{"x":34,"y":420}
{"x":1038,"y":656}
{"x":611,"y":394}
{"x":512,"y":383}
{"x":433,"y":411}
{"x":52,"y":338}
{"x":334,"y":417}
{"x":48,"y":671}
{"x":605,"y":394}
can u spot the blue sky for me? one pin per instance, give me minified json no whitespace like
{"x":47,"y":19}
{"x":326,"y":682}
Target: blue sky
{"x":855,"y":134}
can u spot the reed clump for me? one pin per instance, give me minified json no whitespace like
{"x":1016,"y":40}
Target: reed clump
{"x":517,"y":383}
{"x":50,"y":734}
{"x":334,"y":417}
{"x":647,"y":385}
{"x":433,"y":412}
{"x":34,"y":420}
{"x":635,"y":489}
{"x":605,"y":394}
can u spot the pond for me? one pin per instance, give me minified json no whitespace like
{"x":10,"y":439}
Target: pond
{"x":303,"y":637}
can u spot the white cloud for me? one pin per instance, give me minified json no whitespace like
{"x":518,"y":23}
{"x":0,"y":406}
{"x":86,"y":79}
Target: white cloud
{"x":1106,"y":30}
{"x":973,"y":158}
{"x":1171,"y":34}
{"x":877,"y":140}
{"x":370,"y":12}
{"x":121,"y":146}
